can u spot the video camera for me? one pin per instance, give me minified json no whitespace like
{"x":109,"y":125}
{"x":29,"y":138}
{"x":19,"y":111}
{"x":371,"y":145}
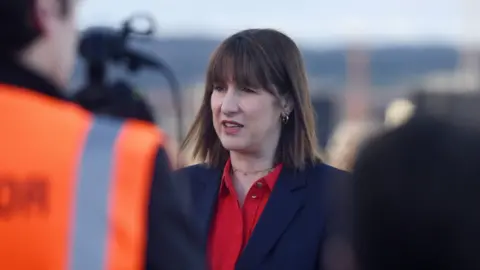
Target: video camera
{"x":104,"y":45}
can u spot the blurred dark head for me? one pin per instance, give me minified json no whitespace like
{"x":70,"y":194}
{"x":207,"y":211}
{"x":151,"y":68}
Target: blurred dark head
{"x":119,"y":100}
{"x":46,"y":29}
{"x":417,"y":195}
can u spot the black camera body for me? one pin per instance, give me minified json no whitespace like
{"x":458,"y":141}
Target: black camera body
{"x":105,"y":44}
{"x":101,"y":46}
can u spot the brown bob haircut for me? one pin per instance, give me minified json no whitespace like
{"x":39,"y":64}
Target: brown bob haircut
{"x":263,"y":59}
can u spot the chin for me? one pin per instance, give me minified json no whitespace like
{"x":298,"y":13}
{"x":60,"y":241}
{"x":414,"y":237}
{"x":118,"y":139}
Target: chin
{"x":233,"y":144}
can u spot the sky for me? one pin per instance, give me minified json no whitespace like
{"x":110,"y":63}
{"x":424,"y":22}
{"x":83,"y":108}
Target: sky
{"x":311,"y":21}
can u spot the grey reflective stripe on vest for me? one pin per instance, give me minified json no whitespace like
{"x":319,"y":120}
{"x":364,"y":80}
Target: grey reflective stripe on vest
{"x":90,"y":216}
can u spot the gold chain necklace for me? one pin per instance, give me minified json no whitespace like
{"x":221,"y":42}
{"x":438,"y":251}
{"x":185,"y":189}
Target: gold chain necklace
{"x":252,"y":172}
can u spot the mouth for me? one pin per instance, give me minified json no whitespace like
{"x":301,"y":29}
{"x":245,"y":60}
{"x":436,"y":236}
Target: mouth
{"x":231,"y":126}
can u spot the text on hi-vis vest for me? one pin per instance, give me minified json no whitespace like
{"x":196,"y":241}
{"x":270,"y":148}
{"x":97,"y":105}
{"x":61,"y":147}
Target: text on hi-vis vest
{"x":23,"y":198}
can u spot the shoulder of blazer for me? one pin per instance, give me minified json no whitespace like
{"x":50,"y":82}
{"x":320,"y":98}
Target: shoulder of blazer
{"x":192,"y":170}
{"x":195,"y":174}
{"x":337,"y":189}
{"x":323,"y":173}
{"x":331,"y":187}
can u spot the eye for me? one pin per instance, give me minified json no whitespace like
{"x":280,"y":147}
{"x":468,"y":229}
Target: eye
{"x":248,"y":90}
{"x":219,"y":88}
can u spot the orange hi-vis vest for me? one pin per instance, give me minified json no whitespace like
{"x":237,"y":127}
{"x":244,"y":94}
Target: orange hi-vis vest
{"x":74,"y":187}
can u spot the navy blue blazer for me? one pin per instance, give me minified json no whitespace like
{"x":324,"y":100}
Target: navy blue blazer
{"x":304,"y":209}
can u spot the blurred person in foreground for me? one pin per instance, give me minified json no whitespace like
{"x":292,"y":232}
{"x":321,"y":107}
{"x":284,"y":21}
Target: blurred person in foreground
{"x":120,"y":100}
{"x":263,"y":196}
{"x":416,"y":198}
{"x":75,"y":187}
{"x":350,"y":137}
{"x":347,"y":140}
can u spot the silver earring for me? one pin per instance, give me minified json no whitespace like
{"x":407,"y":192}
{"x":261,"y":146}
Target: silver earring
{"x":284,"y":118}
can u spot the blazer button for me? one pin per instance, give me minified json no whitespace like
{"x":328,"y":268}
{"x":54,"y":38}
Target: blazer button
{"x":259,"y":184}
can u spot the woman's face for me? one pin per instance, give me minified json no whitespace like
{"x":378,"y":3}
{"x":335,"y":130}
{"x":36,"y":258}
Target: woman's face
{"x":246,"y":119}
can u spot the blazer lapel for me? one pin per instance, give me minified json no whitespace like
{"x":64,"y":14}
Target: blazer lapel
{"x":206,"y":190}
{"x":286,"y":200}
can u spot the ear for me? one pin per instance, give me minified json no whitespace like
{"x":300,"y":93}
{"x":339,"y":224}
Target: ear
{"x":287,"y":105}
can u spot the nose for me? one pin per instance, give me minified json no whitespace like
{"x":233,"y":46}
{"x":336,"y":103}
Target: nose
{"x":230,"y":102}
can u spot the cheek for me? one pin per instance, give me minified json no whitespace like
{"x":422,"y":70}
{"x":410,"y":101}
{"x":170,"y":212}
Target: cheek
{"x":268,"y":108}
{"x":215,"y":103}
{"x":263,"y":115}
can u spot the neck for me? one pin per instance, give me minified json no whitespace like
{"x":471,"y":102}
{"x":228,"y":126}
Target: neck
{"x":251,"y":163}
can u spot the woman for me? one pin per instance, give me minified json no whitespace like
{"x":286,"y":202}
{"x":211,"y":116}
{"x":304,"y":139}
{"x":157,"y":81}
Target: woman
{"x":260,"y":193}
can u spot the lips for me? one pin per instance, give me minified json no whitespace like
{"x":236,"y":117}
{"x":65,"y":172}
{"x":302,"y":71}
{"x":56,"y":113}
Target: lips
{"x":231,"y":124}
{"x":231,"y":128}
